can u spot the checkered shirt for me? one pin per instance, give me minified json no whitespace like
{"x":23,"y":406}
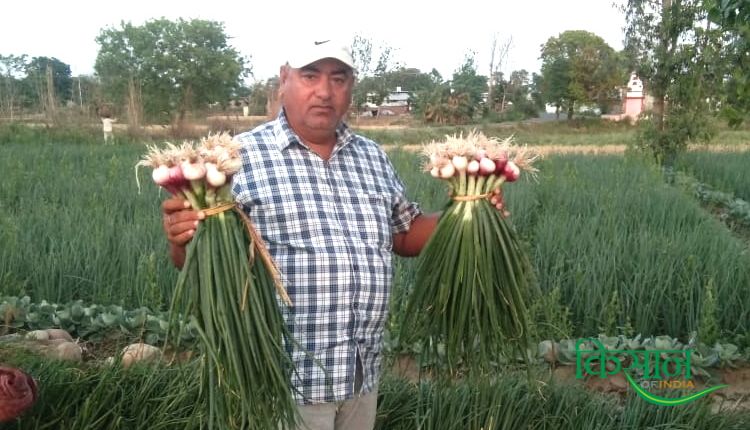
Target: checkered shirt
{"x":329,"y":226}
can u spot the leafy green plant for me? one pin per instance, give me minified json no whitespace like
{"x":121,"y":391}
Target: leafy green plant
{"x":91,"y":322}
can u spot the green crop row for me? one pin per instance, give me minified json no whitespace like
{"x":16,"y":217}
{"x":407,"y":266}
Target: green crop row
{"x":728,"y":171}
{"x":626,"y":252}
{"x":158,"y":397}
{"x":74,"y":226}
{"x":618,"y":250}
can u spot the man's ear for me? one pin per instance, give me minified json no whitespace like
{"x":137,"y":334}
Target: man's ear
{"x":283,"y":74}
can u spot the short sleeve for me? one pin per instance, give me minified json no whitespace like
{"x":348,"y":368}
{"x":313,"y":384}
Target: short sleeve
{"x":241,"y":181}
{"x":403,"y":210}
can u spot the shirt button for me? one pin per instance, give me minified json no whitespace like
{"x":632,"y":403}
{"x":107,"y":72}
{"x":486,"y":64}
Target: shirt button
{"x":355,"y":305}
{"x":355,"y":266}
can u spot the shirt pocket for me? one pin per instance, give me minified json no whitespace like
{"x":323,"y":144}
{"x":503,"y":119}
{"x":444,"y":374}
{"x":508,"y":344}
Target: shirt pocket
{"x":372,"y":218}
{"x":289,"y":224}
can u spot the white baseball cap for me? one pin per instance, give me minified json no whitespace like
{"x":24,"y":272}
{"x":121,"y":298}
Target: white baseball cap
{"x":313,"y":50}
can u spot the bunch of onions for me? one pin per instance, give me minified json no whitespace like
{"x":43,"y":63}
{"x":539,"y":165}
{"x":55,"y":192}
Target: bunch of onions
{"x":227,"y":289}
{"x":18,"y":393}
{"x":472,"y":281}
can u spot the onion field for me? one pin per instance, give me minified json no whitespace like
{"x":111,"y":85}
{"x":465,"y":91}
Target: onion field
{"x":618,"y":248}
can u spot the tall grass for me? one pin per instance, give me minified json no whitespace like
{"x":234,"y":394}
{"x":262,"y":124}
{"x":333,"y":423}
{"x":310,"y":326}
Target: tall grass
{"x":617,"y":242}
{"x":506,"y":402}
{"x":94,"y":397}
{"x":605,"y":232}
{"x":608,"y":231}
{"x":73,"y":226}
{"x":728,"y":171}
{"x":160,"y":398}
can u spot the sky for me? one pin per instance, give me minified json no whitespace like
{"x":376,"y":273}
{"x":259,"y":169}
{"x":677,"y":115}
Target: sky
{"x":421,"y":34}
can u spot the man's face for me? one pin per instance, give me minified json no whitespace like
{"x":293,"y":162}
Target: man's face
{"x":317,"y":96}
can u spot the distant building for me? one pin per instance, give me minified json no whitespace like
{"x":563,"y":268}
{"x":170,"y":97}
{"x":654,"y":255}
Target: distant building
{"x":634,"y":101}
{"x":395,"y":103}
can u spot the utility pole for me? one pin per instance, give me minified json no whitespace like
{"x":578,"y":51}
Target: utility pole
{"x":80,"y":95}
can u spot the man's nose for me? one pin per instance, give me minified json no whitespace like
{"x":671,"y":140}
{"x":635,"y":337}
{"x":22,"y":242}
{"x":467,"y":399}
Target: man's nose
{"x":323,"y":89}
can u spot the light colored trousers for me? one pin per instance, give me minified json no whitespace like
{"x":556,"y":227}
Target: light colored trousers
{"x":353,"y":414}
{"x":357,"y":413}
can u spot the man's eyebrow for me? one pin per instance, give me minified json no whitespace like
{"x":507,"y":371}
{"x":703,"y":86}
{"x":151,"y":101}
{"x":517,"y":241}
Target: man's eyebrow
{"x":312,"y":69}
{"x":341,"y":71}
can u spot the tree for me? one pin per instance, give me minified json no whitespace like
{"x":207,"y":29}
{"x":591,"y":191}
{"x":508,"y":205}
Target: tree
{"x":168,"y":67}
{"x":733,"y":18}
{"x":47,"y":84}
{"x":518,"y":85}
{"x":371,"y":89}
{"x":430,"y":91}
{"x":515,"y":96}
{"x":498,"y":54}
{"x":11,"y":69}
{"x":372,"y":78}
{"x":377,"y":88}
{"x":673,"y":49}
{"x":61,"y":75}
{"x":453,"y":102}
{"x":518,"y":92}
{"x":362,"y":54}
{"x":578,"y":68}
{"x":258,"y":98}
{"x":467,"y":83}
{"x":442,"y":106}
{"x":409,"y":79}
{"x":535,"y":91}
{"x":554,"y":81}
{"x":87,"y":92}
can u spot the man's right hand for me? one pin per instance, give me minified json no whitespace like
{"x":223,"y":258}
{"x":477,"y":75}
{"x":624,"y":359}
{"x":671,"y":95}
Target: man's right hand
{"x":179,"y":222}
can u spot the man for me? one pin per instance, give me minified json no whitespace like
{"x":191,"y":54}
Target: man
{"x":332,"y":210}
{"x":107,"y":129}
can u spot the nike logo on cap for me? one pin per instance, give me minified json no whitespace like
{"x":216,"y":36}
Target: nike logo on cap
{"x":320,"y":43}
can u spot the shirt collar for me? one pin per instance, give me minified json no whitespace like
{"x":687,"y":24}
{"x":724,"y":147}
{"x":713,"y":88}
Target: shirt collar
{"x":285,"y":136}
